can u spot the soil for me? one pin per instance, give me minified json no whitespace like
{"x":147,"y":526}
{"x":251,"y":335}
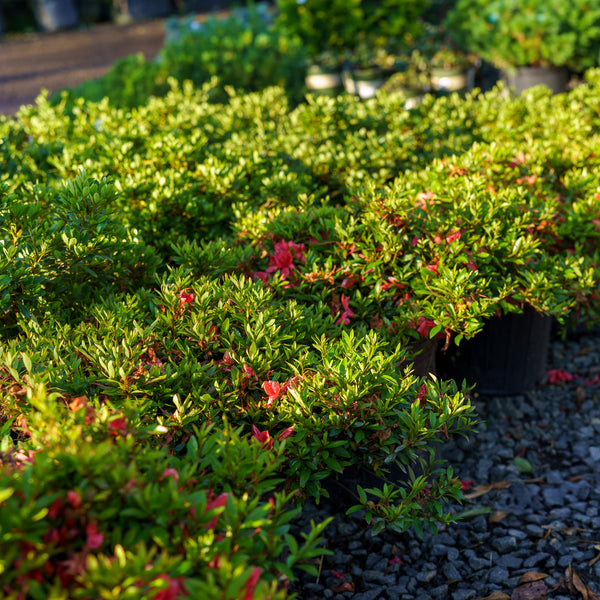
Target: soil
{"x":54,"y":61}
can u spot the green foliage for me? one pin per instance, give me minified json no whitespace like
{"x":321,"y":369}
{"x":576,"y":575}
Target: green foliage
{"x":249,"y":55}
{"x":94,"y":505}
{"x":338,"y":25}
{"x":528,"y":33}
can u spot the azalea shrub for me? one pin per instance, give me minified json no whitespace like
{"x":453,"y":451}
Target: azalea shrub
{"x":215,"y":308}
{"x":93,"y":504}
{"x":200,"y":351}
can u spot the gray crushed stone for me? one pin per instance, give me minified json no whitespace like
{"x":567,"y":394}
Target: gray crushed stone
{"x":550,"y":516}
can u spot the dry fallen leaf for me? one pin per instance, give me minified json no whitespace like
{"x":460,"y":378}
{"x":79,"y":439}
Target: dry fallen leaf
{"x":345,"y":587}
{"x":498,"y":516}
{"x":580,"y":397}
{"x":531,"y":576}
{"x":496,"y":596}
{"x":480,"y":490}
{"x":576,"y":585}
{"x":534,"y":590}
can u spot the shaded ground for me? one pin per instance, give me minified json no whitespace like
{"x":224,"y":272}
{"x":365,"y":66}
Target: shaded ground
{"x":53,"y":61}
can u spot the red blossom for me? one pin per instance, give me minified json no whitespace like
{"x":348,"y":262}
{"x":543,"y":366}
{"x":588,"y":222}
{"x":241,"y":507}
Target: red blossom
{"x":23,"y":456}
{"x":286,"y":433}
{"x":437,"y":239}
{"x":95,"y":538}
{"x":433,"y":266}
{"x":170,"y":472}
{"x":347,"y":314}
{"x":422,"y":395}
{"x":451,"y":237}
{"x":212,"y":503}
{"x":273,"y":390}
{"x":74,"y":499}
{"x":465,"y":484}
{"x":185,"y":298}
{"x":395,"y":560}
{"x":175,"y":590}
{"x":557,"y":376}
{"x":424,"y":326}
{"x":118,"y":426}
{"x":262,"y":437}
{"x":250,"y":585}
{"x":424,"y":199}
{"x":414,"y":241}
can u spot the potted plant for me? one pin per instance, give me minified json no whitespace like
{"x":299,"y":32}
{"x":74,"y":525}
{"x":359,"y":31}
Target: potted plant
{"x":324,"y":74}
{"x":450,"y":68}
{"x":532,"y":41}
{"x":410,"y":78}
{"x":366,"y":68}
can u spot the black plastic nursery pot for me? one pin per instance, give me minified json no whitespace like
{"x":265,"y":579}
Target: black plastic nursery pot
{"x":509,"y":356}
{"x":555,"y":78}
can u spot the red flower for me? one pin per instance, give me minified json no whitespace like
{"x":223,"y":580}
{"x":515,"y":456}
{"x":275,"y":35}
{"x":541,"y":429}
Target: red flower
{"x":424,"y":326}
{"x":433,"y":267}
{"x":118,"y":426}
{"x":170,"y":473}
{"x":213,"y":503}
{"x":557,"y":376}
{"x":250,"y":585}
{"x":175,"y":590}
{"x":74,"y":499}
{"x":465,"y":484}
{"x":422,"y":395}
{"x":286,"y":433}
{"x":262,"y":437}
{"x":272,"y":389}
{"x":395,"y":560}
{"x":185,"y":298}
{"x":347,"y":314}
{"x":95,"y":539}
{"x":451,"y":237}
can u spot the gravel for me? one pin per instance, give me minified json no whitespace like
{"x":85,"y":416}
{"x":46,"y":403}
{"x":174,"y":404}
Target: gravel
{"x":547,"y":521}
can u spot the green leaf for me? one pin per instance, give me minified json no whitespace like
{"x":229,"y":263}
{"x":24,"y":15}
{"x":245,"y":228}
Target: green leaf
{"x":522,"y":464}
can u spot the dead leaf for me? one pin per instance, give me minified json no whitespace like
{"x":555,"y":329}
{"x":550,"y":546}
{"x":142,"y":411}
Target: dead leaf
{"x":498,"y":516}
{"x":496,"y":596}
{"x":345,"y":587}
{"x":480,"y":490}
{"x":594,"y":560}
{"x":580,"y":397}
{"x":535,"y":590}
{"x":584,"y":351}
{"x":575,"y":584}
{"x":531,"y":576}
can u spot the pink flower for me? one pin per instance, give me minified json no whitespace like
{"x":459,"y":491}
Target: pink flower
{"x":95,"y":539}
{"x":185,"y":298}
{"x":262,"y":437}
{"x":424,"y":326}
{"x":213,"y":503}
{"x":175,"y":590}
{"x":118,"y":426}
{"x":170,"y":473}
{"x":272,"y":389}
{"x":347,"y":314}
{"x":414,"y":241}
{"x":451,"y":237}
{"x":424,"y":198}
{"x":74,"y":499}
{"x":422,"y":395}
{"x":282,"y":259}
{"x":433,"y":267}
{"x":395,"y":560}
{"x":286,"y":433}
{"x":557,"y":376}
{"x":21,"y":456}
{"x":250,"y":585}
